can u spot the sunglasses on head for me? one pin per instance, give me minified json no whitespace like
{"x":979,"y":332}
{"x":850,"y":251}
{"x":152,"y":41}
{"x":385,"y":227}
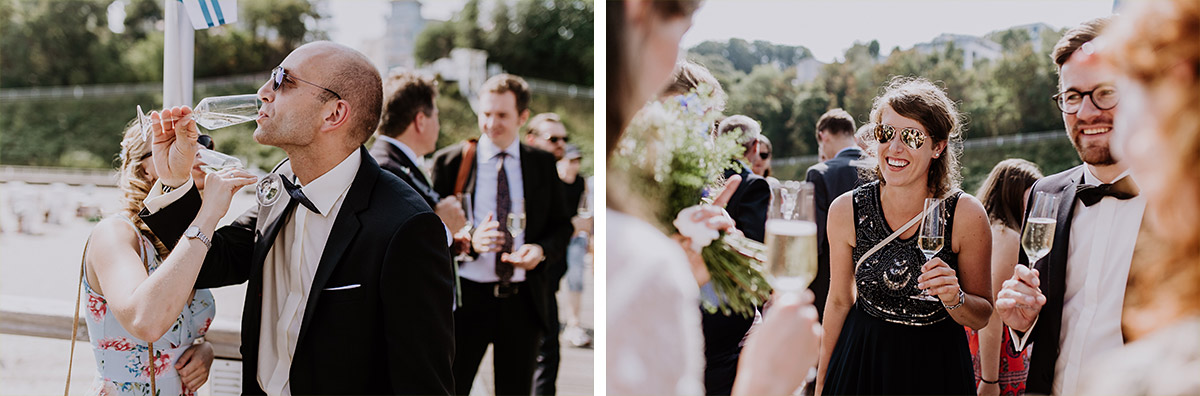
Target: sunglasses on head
{"x":765,"y":155}
{"x":279,"y":75}
{"x":911,"y":137}
{"x":556,"y":139}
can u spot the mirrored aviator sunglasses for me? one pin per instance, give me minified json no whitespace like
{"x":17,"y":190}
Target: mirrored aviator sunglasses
{"x":911,"y":137}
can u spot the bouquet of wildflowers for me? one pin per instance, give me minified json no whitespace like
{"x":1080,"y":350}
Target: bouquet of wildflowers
{"x":670,"y":159}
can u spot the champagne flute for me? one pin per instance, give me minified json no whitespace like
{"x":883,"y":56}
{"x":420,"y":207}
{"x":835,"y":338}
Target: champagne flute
{"x":469,"y":210}
{"x":1038,"y":236}
{"x":215,"y":112}
{"x":792,"y":240}
{"x":930,"y":239}
{"x":516,"y":219}
{"x":213,"y":161}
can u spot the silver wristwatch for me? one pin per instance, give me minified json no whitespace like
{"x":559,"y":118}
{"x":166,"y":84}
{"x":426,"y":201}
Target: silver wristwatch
{"x":962,"y":297}
{"x":193,"y":232}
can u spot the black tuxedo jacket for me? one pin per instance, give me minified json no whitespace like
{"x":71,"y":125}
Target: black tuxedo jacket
{"x":830,"y":180}
{"x":546,"y":221}
{"x":1052,"y":271}
{"x":392,"y":159}
{"x":394,"y":334}
{"x":749,"y":203}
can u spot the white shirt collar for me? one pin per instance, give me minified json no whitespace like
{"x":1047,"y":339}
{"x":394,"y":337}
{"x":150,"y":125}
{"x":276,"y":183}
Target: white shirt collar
{"x":487,"y":149}
{"x":412,"y":155}
{"x":1092,"y":180}
{"x":325,"y":190}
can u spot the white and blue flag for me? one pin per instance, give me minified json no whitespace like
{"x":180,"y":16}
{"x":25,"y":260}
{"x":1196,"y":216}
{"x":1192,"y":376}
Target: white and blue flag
{"x":208,"y":13}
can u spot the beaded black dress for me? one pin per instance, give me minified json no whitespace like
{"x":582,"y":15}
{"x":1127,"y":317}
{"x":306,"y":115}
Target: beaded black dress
{"x":890,"y":343}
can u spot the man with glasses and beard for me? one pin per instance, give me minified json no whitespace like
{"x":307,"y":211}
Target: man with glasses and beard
{"x":349,"y":282}
{"x":1069,"y":304}
{"x":830,"y":179}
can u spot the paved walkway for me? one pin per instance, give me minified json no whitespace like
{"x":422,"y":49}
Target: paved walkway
{"x":46,"y":267}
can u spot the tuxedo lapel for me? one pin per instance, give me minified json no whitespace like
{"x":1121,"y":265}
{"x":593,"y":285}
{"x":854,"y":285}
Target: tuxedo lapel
{"x":345,"y":229}
{"x":271,"y":221}
{"x":416,"y":176}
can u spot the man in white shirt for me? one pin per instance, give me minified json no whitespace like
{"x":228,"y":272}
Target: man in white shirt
{"x":1069,"y":304}
{"x":349,"y":283}
{"x":521,"y":220}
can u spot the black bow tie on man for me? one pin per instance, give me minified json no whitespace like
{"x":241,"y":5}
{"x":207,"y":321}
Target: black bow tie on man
{"x":298,"y":195}
{"x":1122,"y":189}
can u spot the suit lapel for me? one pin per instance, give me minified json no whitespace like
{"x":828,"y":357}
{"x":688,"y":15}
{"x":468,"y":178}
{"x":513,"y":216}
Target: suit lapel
{"x":419,"y":182}
{"x":271,"y":221}
{"x":345,"y":228}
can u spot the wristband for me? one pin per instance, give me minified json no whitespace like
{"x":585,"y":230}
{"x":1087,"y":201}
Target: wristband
{"x":989,"y":382}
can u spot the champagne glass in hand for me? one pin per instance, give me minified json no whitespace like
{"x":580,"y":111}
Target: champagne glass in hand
{"x":215,"y":112}
{"x":931,"y":238}
{"x":516,"y":220}
{"x":792,"y":240}
{"x":1038,"y":235}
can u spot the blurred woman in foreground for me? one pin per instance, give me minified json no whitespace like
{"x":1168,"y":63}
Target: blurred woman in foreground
{"x":1156,"y":46}
{"x":654,"y":340}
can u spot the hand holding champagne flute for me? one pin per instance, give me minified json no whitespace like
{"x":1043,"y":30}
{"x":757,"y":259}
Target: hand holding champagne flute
{"x":1020,"y":300}
{"x":791,"y":239}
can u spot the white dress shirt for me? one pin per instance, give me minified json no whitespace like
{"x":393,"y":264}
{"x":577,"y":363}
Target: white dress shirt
{"x":483,"y":269}
{"x":289,"y":268}
{"x":1099,"y":253}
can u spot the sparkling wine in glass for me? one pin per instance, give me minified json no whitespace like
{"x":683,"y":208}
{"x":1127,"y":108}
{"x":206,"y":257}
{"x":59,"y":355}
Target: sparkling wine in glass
{"x":469,"y":211}
{"x":1038,"y":236}
{"x":516,"y":219}
{"x":931,"y":238}
{"x":213,"y":161}
{"x":215,"y":112}
{"x":792,"y":242}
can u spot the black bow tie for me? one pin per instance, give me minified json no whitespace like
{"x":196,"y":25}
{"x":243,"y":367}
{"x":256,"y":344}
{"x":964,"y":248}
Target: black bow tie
{"x":1122,"y":189}
{"x":298,"y":195}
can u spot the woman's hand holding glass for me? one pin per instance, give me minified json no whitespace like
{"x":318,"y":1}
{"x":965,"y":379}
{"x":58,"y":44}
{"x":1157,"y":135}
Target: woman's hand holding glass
{"x":782,"y":348}
{"x":173,"y":139}
{"x":219,"y":188}
{"x":940,"y":281}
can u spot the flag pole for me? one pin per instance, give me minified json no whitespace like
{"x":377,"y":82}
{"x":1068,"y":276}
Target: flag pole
{"x":178,"y":56}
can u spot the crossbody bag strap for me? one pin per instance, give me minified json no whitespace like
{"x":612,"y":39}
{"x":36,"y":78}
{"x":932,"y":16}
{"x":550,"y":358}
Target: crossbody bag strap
{"x":75,"y":322}
{"x":464,"y":169}
{"x":894,"y":235}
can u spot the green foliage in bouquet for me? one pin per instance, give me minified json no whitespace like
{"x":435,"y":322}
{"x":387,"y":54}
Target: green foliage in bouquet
{"x":672,"y":161}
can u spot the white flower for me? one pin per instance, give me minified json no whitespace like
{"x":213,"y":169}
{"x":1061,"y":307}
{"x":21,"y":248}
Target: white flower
{"x":700,"y":234}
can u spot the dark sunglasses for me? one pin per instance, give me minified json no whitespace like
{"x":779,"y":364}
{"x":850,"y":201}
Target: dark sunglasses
{"x":556,"y":139}
{"x":911,"y":137}
{"x":279,"y":75}
{"x":764,"y":155}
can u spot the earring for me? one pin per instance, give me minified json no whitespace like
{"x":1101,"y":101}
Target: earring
{"x":935,"y":155}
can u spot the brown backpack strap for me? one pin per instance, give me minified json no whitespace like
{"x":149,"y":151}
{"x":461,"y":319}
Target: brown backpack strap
{"x":464,"y":168}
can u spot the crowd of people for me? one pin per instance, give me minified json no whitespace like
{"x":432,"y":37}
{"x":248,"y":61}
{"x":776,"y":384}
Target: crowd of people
{"x":1109,"y":309}
{"x":364,"y":274}
{"x":371,"y":271}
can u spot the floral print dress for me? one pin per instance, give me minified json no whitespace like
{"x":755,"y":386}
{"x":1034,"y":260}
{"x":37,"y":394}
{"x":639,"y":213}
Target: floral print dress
{"x":123,"y":361}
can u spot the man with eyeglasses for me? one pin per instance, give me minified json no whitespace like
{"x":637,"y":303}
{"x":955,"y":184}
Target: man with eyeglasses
{"x":830,"y":179}
{"x":1069,"y":304}
{"x":349,"y":282}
